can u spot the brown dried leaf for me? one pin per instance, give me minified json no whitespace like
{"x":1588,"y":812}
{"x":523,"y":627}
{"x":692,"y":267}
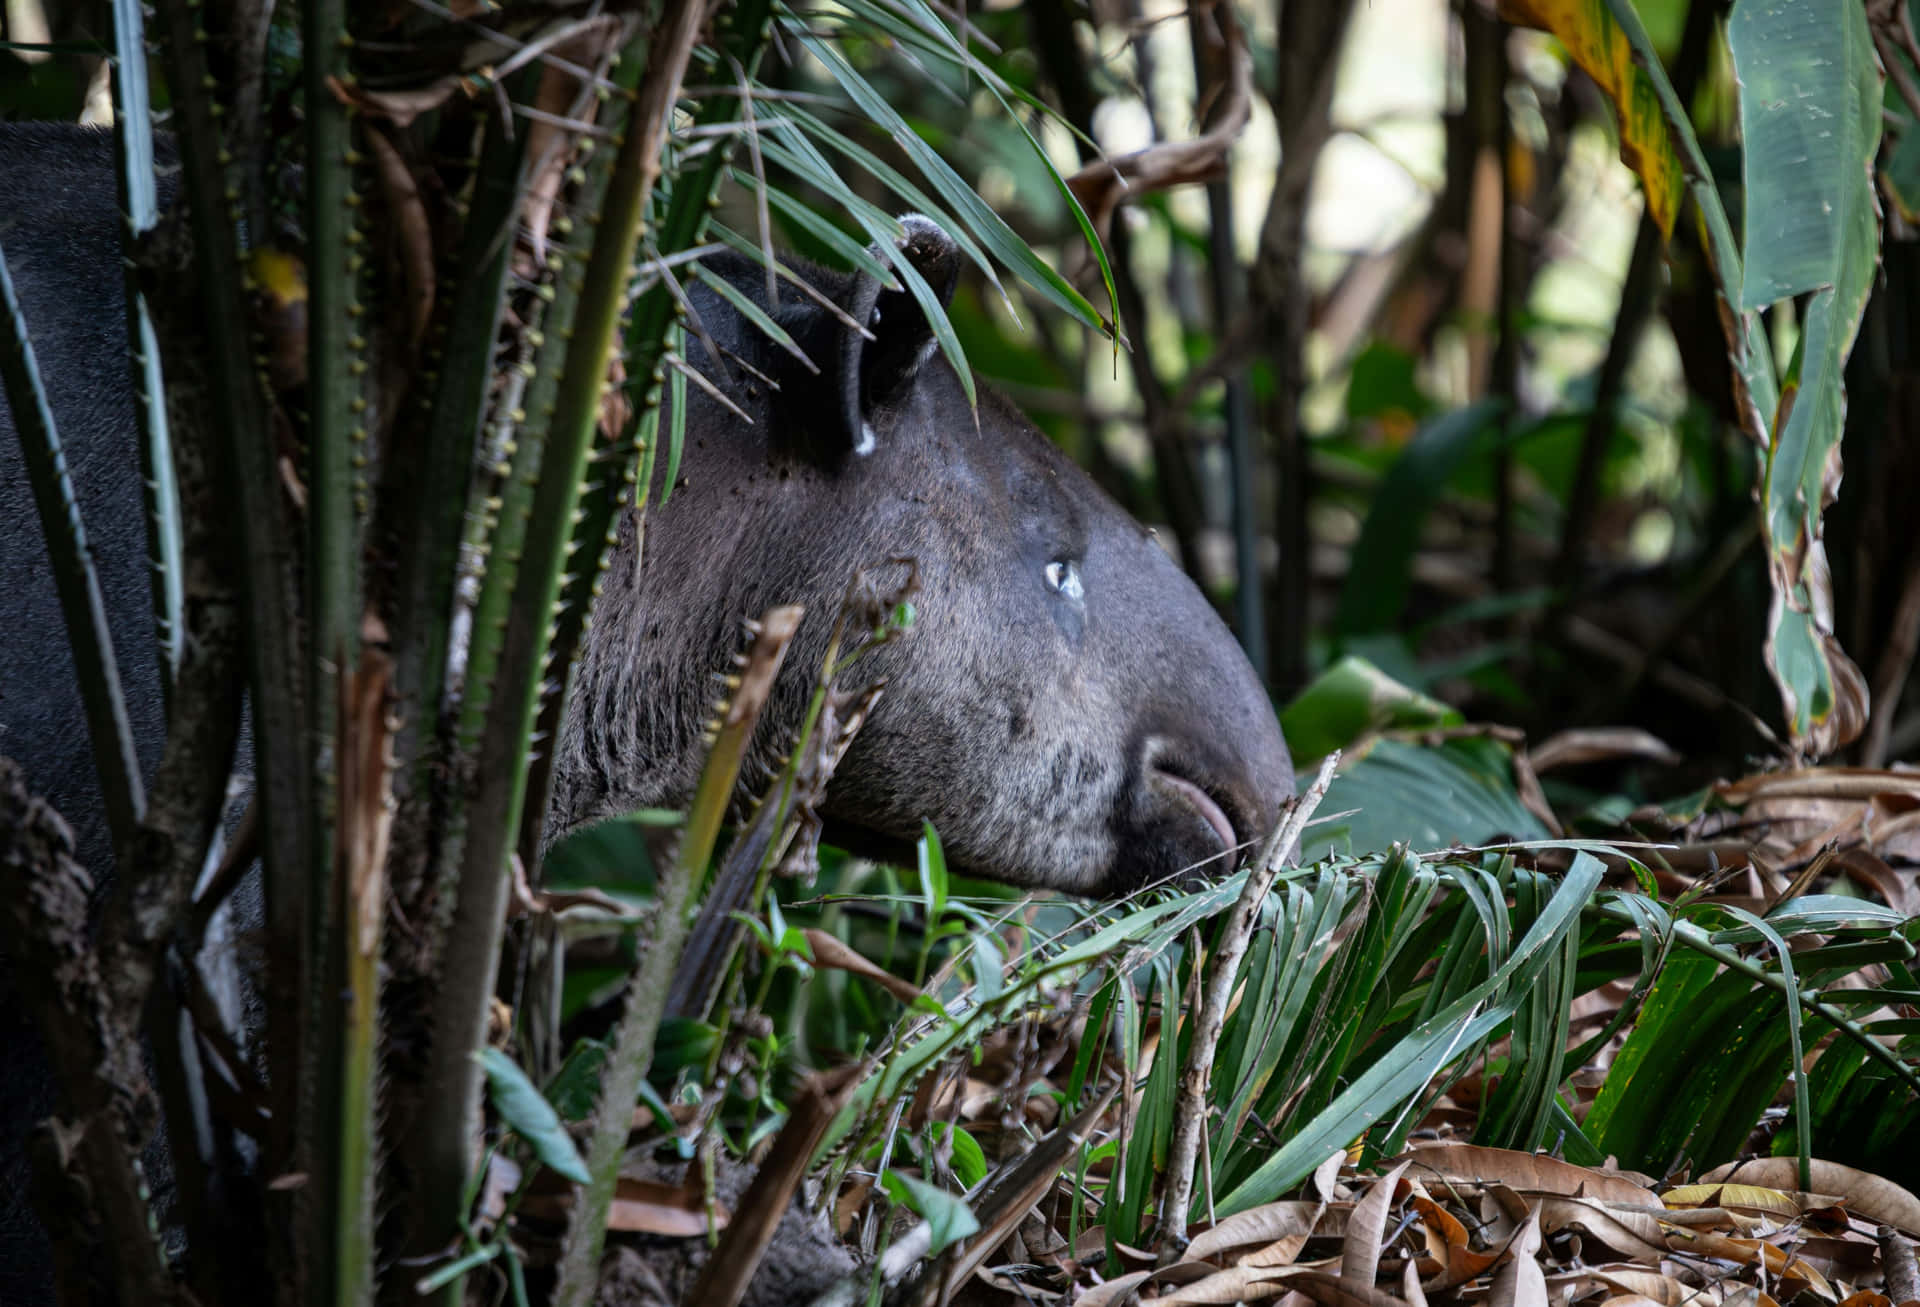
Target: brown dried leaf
{"x":1271,"y":1224}
{"x":1235,"y":1284}
{"x":1450,"y":1249}
{"x":1754,"y":1199}
{"x":649,"y":1207}
{"x":1775,"y":1261}
{"x":1113,"y":1291}
{"x":1866,"y":1298}
{"x":365,"y":812}
{"x":1600,"y":744}
{"x":1529,"y":1173}
{"x":1360,"y":1257}
{"x":830,"y":952}
{"x":1519,"y":1282}
{"x":1337,"y":1291}
{"x":411,"y":229}
{"x":1626,"y":1281}
{"x":1868,"y":1195}
{"x":1633,"y":1232}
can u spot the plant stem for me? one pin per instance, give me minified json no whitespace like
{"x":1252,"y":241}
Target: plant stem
{"x":1209,"y":1020}
{"x":632,"y":1046}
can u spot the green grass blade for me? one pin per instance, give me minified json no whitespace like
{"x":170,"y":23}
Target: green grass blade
{"x":88,"y":635}
{"x":140,"y":199}
{"x":980,"y":218}
{"x":1397,"y":1075}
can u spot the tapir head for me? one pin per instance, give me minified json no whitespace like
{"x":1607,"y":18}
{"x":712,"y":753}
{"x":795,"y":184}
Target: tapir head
{"x":1067,"y":709}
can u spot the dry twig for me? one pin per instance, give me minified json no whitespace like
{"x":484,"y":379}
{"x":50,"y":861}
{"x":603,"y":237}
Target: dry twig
{"x":1190,"y":1109}
{"x":1102,"y":186}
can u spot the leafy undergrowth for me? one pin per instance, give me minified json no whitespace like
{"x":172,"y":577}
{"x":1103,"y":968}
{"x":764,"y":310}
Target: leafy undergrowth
{"x":1674,"y":1065}
{"x":1505,"y":1070}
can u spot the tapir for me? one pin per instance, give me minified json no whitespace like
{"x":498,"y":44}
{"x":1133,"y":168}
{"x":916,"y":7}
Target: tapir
{"x":1067,"y":710}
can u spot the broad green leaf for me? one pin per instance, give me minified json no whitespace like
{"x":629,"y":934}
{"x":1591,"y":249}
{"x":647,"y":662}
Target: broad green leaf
{"x":576,"y":1085}
{"x":1675,"y":994}
{"x":617,"y":853}
{"x":527,"y":1112}
{"x":1427,"y":798}
{"x":1603,"y":51}
{"x":1810,"y":120}
{"x":1348,"y":700}
{"x":950,"y":1219}
{"x":1810,"y":117}
{"x":969,"y":1160}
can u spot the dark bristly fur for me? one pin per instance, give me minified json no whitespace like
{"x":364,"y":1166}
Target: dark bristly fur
{"x":1067,"y":710}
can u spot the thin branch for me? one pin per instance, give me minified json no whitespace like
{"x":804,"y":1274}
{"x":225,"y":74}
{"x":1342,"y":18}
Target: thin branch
{"x":557,"y":35}
{"x":1210,"y":1017}
{"x":1102,"y":186}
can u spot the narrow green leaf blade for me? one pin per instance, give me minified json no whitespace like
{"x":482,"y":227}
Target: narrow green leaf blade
{"x":528,"y":1113}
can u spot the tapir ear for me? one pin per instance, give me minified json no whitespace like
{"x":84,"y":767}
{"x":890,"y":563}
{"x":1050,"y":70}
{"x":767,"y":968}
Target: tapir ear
{"x":873,"y":371}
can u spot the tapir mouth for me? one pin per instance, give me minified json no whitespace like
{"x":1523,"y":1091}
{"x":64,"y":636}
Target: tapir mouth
{"x":1202,"y":803}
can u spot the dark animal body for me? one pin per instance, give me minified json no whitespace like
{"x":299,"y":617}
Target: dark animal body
{"x":1067,"y":709}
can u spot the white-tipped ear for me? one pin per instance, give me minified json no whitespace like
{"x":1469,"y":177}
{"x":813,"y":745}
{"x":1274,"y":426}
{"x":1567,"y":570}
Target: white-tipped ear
{"x":875,"y":371}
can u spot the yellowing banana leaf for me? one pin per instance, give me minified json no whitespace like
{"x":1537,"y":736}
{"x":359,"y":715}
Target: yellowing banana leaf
{"x":1603,"y":52}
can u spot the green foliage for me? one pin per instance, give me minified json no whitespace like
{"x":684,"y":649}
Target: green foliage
{"x":949,"y":1216}
{"x":526,"y":1112}
{"x":1374,"y":981}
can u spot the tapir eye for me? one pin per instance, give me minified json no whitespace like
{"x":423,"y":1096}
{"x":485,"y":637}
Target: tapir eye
{"x":1063,"y":578}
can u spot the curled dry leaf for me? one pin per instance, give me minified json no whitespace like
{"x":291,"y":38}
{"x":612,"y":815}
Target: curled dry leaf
{"x":1868,"y":1195}
{"x":828,"y":951}
{"x":1451,"y":1258}
{"x":1520,"y":1282}
{"x":1360,"y":1259}
{"x":649,"y":1207}
{"x":1270,"y":1225}
{"x":1528,"y":1173}
{"x":1601,"y":744}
